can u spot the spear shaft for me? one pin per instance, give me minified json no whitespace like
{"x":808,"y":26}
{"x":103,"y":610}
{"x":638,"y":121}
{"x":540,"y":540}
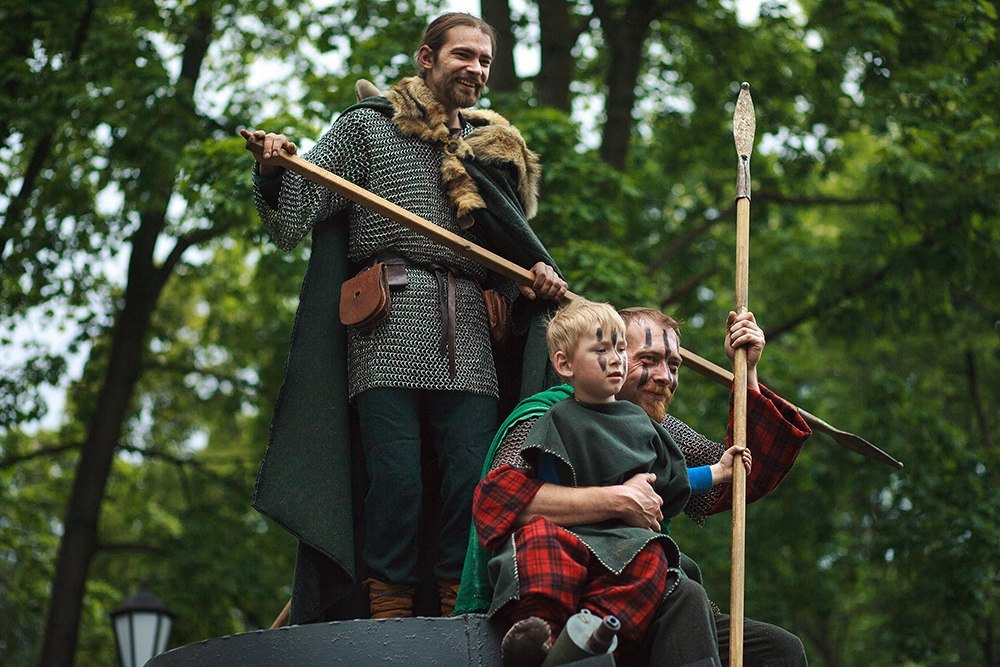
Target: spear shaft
{"x":744,"y":125}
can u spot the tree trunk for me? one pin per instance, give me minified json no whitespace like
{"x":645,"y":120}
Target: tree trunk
{"x":79,"y":540}
{"x":128,"y":342}
{"x":625,"y":33}
{"x":559,"y":33}
{"x":503,"y":77}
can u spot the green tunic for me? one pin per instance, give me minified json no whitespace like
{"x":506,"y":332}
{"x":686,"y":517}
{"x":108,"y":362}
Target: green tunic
{"x":602,"y":445}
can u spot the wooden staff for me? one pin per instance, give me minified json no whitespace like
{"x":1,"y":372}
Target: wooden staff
{"x":744,"y":125}
{"x":519,"y":275}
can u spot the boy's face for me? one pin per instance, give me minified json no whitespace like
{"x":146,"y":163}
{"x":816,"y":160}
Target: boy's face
{"x":596,"y":368}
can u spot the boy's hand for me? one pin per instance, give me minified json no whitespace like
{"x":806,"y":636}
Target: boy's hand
{"x":722,"y":471}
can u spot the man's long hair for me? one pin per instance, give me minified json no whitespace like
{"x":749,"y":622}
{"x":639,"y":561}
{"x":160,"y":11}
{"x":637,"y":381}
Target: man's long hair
{"x":436,"y":32}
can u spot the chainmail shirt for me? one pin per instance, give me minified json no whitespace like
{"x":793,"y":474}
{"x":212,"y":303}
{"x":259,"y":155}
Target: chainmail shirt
{"x":366,"y":148}
{"x":697,"y":449}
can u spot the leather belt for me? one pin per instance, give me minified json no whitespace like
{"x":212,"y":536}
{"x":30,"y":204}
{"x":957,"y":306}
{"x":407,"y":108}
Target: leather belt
{"x":444,"y":275}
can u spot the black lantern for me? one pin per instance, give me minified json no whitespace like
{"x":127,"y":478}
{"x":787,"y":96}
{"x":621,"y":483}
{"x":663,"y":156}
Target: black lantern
{"x":142,"y":626}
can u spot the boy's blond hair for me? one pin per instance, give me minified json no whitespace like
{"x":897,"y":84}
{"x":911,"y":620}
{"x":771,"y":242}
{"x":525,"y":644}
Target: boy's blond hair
{"x":577,"y":318}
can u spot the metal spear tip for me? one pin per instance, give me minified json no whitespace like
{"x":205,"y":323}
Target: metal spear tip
{"x":744,"y":122}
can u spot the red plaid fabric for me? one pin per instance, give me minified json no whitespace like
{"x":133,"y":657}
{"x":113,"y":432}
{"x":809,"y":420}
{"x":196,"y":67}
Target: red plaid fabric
{"x":775,"y":435}
{"x":498,"y":500}
{"x":558,"y":576}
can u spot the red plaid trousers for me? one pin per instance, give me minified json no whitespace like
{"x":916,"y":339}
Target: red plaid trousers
{"x":558,"y":576}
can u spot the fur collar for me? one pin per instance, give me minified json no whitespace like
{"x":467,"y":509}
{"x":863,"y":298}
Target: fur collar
{"x":493,"y":141}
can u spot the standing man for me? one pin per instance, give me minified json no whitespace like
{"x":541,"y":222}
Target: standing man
{"x":512,"y":493}
{"x":428,"y":365}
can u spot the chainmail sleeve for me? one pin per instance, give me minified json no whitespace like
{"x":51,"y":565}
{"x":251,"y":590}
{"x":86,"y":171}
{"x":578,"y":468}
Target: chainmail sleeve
{"x":342,"y":150}
{"x":698,"y":451}
{"x":509,"y":451}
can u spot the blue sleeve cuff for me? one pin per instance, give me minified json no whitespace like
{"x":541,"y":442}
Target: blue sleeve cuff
{"x":701,"y":479}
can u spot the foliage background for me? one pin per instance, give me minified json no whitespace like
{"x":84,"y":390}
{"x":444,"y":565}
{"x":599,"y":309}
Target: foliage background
{"x":135,"y":277}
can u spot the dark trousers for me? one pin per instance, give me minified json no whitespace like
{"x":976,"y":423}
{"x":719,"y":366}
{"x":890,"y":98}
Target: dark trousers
{"x":682,"y":634}
{"x":462,"y":427}
{"x":764,"y":645}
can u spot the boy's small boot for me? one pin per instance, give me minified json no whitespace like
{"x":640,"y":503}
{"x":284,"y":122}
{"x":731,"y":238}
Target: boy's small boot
{"x":389,"y":600}
{"x":447,"y":594}
{"x":526,"y":643}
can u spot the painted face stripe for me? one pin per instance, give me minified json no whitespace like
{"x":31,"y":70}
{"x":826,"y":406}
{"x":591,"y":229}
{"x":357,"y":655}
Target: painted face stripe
{"x":649,"y":339}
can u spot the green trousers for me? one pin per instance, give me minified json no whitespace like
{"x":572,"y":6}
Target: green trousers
{"x":461,"y":427}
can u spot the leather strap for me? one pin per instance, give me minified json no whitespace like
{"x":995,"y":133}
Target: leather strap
{"x":444,"y":275}
{"x":446,"y":305}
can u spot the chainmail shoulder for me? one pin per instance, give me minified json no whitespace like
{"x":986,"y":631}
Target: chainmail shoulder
{"x":509,"y":451}
{"x":698,"y":451}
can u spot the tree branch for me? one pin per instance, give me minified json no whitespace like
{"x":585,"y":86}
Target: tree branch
{"x":13,"y":216}
{"x":685,"y":241}
{"x":982,"y":416}
{"x":17,"y":459}
{"x":134,"y":546}
{"x":184,"y":242}
{"x":684,"y":289}
{"x":927,"y":240}
{"x":191,"y":461}
{"x":692,"y":236}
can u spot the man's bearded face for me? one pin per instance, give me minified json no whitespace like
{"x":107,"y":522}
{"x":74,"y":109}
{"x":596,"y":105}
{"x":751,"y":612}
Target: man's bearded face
{"x":461,"y":68}
{"x":654,"y":360}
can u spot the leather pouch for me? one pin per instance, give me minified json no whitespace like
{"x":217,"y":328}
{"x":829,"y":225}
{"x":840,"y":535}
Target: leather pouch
{"x":365,"y":299}
{"x":496,"y":314}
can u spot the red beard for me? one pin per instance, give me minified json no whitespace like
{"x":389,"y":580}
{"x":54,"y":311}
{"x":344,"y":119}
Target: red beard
{"x":656,"y":409}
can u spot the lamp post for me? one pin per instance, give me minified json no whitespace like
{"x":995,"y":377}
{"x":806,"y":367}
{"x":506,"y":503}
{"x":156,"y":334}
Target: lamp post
{"x":142,"y":626}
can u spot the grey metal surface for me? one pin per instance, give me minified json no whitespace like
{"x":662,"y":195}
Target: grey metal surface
{"x":412,"y":642}
{"x":468,"y":640}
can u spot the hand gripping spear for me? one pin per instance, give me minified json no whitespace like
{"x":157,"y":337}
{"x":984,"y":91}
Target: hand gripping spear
{"x":744,"y":125}
{"x":523,"y":276}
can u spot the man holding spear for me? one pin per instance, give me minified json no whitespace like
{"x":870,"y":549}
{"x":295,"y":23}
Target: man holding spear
{"x":426,"y":365}
{"x":513,"y":492}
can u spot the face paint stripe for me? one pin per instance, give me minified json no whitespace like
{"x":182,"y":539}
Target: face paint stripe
{"x":644,"y":378}
{"x":649,"y":339}
{"x":600,"y":334}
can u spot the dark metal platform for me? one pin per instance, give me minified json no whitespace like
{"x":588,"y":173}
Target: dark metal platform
{"x":411,"y":642}
{"x":441,"y":642}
